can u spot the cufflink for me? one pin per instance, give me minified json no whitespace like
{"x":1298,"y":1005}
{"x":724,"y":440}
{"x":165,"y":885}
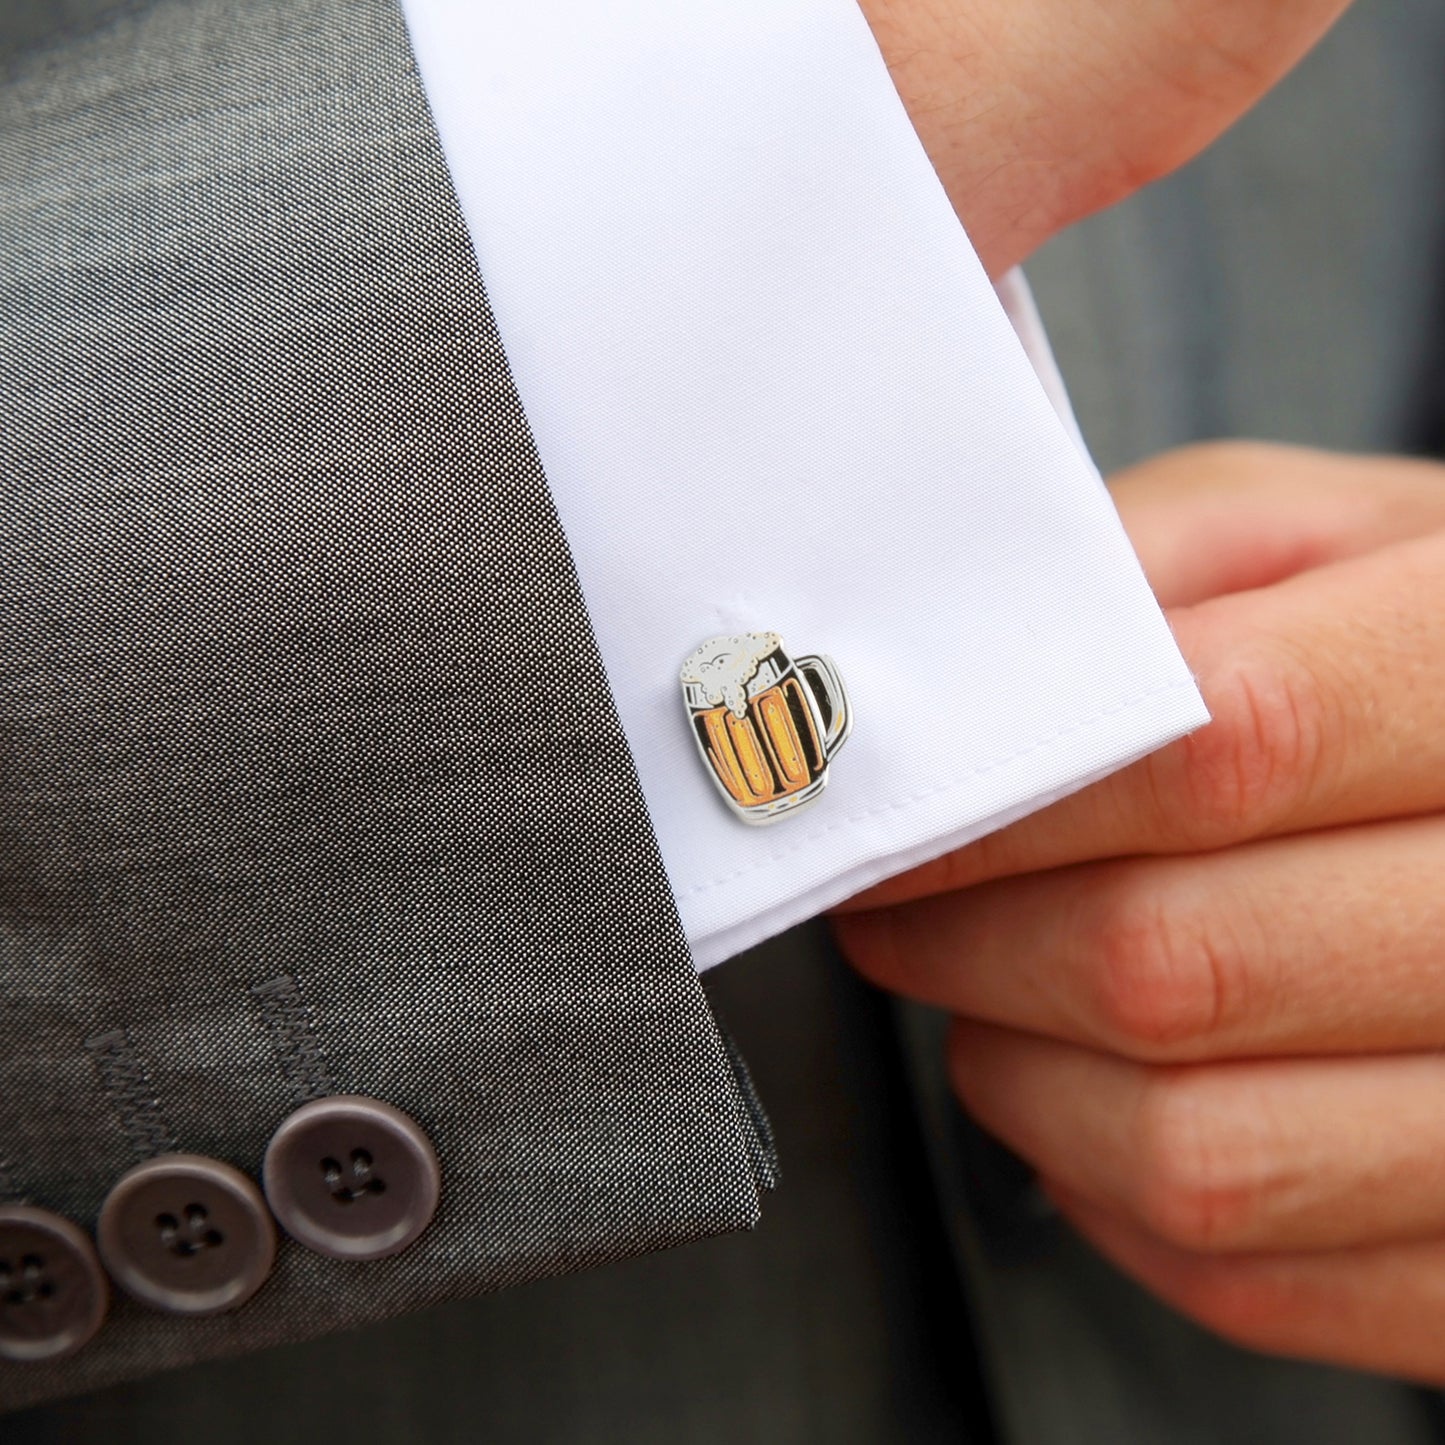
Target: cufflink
{"x":766,"y":724}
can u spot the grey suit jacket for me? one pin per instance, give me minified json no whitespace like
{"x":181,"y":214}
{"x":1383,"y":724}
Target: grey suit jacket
{"x":310,"y":781}
{"x":258,"y":445}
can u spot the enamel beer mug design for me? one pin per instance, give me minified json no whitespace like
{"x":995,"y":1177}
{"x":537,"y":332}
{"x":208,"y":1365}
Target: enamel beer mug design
{"x":767,"y":725}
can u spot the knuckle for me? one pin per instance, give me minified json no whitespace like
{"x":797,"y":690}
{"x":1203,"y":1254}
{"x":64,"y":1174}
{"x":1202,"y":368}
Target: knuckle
{"x":1259,"y":760}
{"x":1164,"y":984}
{"x":1195,"y":1190}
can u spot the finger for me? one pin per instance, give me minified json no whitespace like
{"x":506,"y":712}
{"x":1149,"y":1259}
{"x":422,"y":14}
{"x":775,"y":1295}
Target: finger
{"x":1380,"y":1309}
{"x":1325,"y":692}
{"x":1297,"y":1155}
{"x":1314,"y":944}
{"x":1231,"y":516}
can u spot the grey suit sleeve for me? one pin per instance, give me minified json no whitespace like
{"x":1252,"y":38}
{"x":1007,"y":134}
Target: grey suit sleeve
{"x":310,"y":780}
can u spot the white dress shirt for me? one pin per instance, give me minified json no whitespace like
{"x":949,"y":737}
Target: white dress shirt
{"x":773,"y":390}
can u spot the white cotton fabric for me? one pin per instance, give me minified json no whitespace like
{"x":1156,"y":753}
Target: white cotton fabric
{"x":773,"y":390}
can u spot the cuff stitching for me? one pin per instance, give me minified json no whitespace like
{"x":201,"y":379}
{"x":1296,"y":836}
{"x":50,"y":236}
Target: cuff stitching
{"x":894,"y":805}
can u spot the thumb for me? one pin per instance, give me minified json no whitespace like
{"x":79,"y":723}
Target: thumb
{"x":1037,"y":112}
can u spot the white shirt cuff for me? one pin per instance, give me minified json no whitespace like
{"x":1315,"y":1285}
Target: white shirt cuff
{"x":773,"y":390}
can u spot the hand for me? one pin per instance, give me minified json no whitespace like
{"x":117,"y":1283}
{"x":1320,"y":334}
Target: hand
{"x":1206,"y":997}
{"x":1037,"y":112}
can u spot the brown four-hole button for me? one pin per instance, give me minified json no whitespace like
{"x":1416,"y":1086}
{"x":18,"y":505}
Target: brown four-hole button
{"x":53,"y":1294}
{"x":351,"y":1177}
{"x":187,"y":1235}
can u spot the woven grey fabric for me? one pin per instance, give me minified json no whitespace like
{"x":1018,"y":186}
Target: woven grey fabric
{"x":296,"y":684}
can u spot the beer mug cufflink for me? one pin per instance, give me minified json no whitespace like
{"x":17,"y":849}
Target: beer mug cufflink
{"x":766,"y":724}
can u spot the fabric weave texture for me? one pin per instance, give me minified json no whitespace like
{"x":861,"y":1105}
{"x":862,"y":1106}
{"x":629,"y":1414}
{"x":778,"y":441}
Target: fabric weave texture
{"x":298,"y":696}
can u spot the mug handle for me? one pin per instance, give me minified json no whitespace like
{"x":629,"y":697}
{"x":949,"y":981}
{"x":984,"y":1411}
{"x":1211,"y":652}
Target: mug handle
{"x":822,"y":677}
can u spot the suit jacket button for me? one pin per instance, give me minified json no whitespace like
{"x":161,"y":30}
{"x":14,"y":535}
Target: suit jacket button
{"x":53,"y":1294}
{"x":351,"y":1177}
{"x":187,"y":1235}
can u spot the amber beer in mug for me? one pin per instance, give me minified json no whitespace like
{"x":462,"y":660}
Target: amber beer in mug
{"x":766,"y":724}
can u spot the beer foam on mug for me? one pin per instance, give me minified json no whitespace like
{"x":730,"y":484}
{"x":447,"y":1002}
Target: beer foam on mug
{"x":723,"y":667}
